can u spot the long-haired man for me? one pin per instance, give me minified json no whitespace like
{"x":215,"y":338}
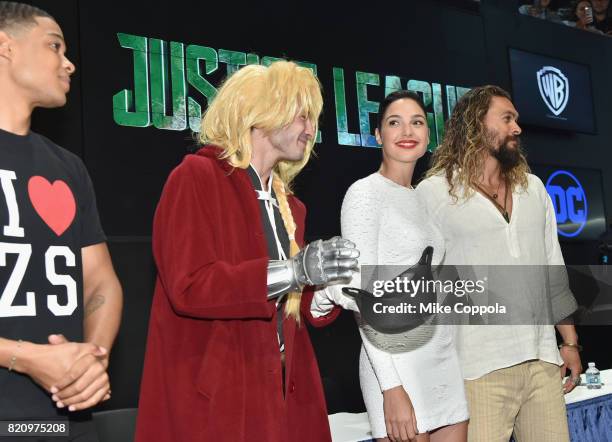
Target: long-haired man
{"x":492,"y":211}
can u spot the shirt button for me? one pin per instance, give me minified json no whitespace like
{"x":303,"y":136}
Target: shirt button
{"x":292,"y":387}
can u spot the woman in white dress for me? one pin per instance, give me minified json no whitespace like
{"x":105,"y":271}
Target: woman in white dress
{"x":411,"y":382}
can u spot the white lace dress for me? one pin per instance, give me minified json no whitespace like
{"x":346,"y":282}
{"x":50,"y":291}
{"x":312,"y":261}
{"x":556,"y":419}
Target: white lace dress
{"x":388,"y":224}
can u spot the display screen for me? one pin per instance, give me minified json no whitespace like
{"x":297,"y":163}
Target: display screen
{"x":578,"y":199}
{"x":552,"y":93}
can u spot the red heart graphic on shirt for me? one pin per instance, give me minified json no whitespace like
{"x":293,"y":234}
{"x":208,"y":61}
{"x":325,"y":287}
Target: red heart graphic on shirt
{"x":54,"y":203}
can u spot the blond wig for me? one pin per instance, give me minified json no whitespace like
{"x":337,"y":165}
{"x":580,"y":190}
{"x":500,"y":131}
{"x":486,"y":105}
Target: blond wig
{"x":266,"y":98}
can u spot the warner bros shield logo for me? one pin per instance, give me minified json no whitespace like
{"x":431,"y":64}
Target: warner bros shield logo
{"x":554,"y":88}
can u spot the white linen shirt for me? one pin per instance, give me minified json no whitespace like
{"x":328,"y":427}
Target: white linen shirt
{"x":475,"y":233}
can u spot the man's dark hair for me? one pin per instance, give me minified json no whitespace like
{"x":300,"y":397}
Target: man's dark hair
{"x":15,"y":15}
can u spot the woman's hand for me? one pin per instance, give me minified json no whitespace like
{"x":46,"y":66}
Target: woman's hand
{"x":399,"y":415}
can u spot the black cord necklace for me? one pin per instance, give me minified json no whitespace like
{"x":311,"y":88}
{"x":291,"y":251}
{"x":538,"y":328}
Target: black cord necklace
{"x":493,"y":199}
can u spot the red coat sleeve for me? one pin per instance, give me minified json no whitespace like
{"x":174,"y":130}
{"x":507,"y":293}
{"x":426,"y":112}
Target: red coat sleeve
{"x":197,"y":280}
{"x":306,"y":312}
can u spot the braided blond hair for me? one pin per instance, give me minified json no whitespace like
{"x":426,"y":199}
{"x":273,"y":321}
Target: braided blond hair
{"x":292,"y":306}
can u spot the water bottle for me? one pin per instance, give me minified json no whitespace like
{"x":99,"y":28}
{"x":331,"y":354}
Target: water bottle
{"x":593,"y":378}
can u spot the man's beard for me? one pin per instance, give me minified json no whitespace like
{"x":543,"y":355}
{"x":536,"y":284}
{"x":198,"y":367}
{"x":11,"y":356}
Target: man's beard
{"x":508,"y":157}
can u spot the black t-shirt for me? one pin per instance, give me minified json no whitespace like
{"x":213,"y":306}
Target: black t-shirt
{"x":47,"y":214}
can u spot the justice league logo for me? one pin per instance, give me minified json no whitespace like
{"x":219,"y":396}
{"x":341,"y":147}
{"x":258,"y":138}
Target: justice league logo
{"x":554,"y":88}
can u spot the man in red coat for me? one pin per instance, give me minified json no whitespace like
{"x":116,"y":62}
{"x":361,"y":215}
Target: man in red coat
{"x":228,"y":355}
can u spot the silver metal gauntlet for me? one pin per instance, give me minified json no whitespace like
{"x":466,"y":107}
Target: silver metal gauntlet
{"x":318,"y":264}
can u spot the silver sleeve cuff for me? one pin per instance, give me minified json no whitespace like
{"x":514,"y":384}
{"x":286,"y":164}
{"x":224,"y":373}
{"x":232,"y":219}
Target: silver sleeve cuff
{"x":281,"y":278}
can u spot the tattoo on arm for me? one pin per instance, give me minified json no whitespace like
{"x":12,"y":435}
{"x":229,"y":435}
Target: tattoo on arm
{"x":94,"y":304}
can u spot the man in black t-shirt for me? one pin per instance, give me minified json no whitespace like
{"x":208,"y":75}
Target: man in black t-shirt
{"x":60,"y":300}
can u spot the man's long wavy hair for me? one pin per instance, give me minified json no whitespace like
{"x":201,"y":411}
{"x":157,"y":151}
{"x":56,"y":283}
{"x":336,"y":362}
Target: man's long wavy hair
{"x":460,"y":157}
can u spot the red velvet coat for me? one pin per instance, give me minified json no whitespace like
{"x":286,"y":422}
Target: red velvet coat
{"x":212,"y":367}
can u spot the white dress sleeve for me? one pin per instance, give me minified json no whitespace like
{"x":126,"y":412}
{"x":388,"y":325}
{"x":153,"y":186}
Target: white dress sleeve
{"x":360,"y":221}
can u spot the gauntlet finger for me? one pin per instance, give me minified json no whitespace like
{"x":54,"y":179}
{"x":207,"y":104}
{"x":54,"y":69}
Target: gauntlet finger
{"x":341,"y":264}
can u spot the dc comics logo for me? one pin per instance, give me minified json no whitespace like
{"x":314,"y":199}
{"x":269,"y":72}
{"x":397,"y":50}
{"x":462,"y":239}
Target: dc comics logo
{"x":569,"y":201}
